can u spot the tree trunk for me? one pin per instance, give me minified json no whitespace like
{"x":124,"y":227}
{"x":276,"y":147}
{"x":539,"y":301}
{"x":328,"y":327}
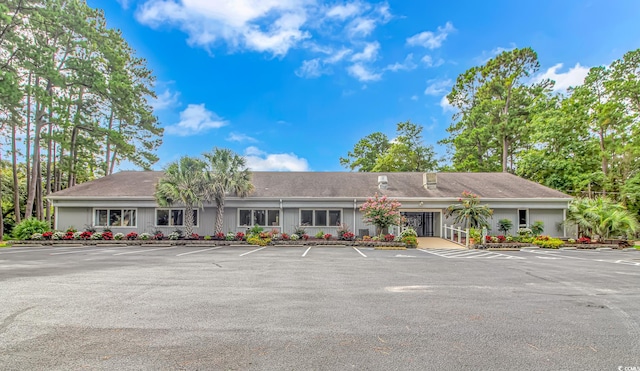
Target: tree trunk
{"x":14,"y":167}
{"x":39,"y":123}
{"x":73,"y":153}
{"x":219,"y":217}
{"x":1,"y":213}
{"x":28,"y":134}
{"x":107,"y":157}
{"x":505,"y":157}
{"x":188,"y":221}
{"x":48,"y":175}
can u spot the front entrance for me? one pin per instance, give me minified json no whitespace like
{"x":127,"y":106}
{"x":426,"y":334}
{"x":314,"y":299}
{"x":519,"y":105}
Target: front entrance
{"x":421,"y":222}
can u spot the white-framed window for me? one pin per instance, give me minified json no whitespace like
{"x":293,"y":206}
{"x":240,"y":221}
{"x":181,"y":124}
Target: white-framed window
{"x":261,"y":217}
{"x":523,"y":218}
{"x":320,"y":217}
{"x":115,"y":217}
{"x":173,"y":217}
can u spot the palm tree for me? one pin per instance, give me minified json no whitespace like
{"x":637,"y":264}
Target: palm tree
{"x":601,"y":217}
{"x":182,"y":183}
{"x":226,"y":174}
{"x":469,"y":211}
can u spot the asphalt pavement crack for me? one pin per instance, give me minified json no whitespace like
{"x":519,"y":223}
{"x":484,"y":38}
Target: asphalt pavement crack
{"x":11,"y":318}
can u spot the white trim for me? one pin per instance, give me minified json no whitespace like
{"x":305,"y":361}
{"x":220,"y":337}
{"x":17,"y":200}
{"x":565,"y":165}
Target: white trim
{"x":314,"y":216}
{"x":155,"y":217}
{"x":266,"y":210}
{"x":122,"y":209}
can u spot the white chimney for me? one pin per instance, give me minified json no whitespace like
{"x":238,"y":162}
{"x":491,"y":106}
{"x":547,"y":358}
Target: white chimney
{"x":383,"y":183}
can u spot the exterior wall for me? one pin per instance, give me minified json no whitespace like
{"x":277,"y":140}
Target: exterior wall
{"x":552,"y":219}
{"x":76,"y":217}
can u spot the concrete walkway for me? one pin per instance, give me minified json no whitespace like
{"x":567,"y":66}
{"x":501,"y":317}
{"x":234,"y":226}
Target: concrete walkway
{"x":437,"y":243}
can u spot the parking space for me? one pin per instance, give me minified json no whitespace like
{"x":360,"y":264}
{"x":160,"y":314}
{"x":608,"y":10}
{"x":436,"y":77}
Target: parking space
{"x":320,"y":307}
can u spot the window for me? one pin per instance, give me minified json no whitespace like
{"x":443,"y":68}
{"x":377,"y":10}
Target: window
{"x":261,"y":217}
{"x":114,"y":217}
{"x":522,"y":218}
{"x":173,"y":217}
{"x":320,"y":218}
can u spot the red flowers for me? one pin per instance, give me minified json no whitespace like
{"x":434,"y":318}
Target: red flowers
{"x":132,"y":236}
{"x":47,"y":235}
{"x":239,"y":236}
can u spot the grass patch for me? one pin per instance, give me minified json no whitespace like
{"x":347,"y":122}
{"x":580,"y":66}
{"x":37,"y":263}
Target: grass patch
{"x":4,"y":244}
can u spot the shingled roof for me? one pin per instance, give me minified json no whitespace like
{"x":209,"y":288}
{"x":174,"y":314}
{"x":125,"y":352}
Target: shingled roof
{"x":141,"y":184}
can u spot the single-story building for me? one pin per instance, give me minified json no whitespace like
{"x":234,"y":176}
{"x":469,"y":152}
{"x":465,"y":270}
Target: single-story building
{"x":317,"y":201}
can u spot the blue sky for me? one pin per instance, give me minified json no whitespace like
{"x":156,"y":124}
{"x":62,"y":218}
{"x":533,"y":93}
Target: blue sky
{"x":294,"y":84}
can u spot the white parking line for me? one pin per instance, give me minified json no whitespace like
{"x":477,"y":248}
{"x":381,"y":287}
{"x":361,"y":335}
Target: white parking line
{"x":469,"y":254}
{"x":306,"y":251}
{"x":86,"y":250}
{"x":133,"y":252}
{"x":38,"y":249}
{"x":247,"y":253}
{"x":197,"y":251}
{"x":359,"y":252}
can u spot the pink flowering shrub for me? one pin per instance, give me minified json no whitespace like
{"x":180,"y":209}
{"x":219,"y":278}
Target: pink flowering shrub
{"x":381,"y":212}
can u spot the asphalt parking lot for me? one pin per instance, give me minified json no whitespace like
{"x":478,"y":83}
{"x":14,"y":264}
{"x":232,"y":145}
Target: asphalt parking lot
{"x":333,"y":308}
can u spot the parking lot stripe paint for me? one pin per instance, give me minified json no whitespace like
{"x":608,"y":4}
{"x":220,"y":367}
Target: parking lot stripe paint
{"x":197,"y":251}
{"x":359,"y":252}
{"x":39,"y":250}
{"x":247,"y":253}
{"x":306,"y":251}
{"x":133,"y":252}
{"x":82,"y":251}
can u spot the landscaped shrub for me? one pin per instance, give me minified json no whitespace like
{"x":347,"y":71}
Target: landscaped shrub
{"x":525,"y":232}
{"x":366,"y":238}
{"x":294,"y":237}
{"x":96,"y":236}
{"x":348,"y":236}
{"x":157,"y":235}
{"x":239,"y":236}
{"x":132,"y":236}
{"x":107,"y":236}
{"x":26,"y":228}
{"x":174,"y":235}
{"x":299,"y":231}
{"x":410,"y":241}
{"x":86,"y":235}
{"x":220,"y":236}
{"x":118,"y":236}
{"x":327,"y":236}
{"x":584,"y":240}
{"x":285,"y":237}
{"x":537,"y":228}
{"x":504,"y":225}
{"x":548,"y":242}
{"x":144,"y":236}
{"x":305,"y":236}
{"x":254,"y":240}
{"x":47,"y":235}
{"x":230,"y":236}
{"x":193,"y":236}
{"x":389,"y":237}
{"x":256,"y":229}
{"x":36,"y":236}
{"x":320,"y":234}
{"x":207,"y":238}
{"x":57,"y":235}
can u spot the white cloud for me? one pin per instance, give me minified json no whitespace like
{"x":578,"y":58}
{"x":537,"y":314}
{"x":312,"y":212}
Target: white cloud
{"x":362,"y":73}
{"x":344,"y":11}
{"x":429,"y":39}
{"x":338,"y":56}
{"x":428,"y":61}
{"x":361,"y":27}
{"x":446,"y":106}
{"x":407,"y":65}
{"x":272,"y":26}
{"x":369,"y":53}
{"x":240,"y":137}
{"x":258,"y":160}
{"x":195,"y":119}
{"x":123,"y":3}
{"x":311,"y":69}
{"x":437,"y":87}
{"x":573,"y":77}
{"x":165,"y":100}
{"x":414,"y":97}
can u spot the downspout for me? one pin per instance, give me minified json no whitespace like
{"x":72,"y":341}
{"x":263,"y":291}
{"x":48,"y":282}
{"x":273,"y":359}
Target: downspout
{"x":55,"y":218}
{"x":354,"y":214}
{"x":564,"y":219}
{"x":281,"y":218}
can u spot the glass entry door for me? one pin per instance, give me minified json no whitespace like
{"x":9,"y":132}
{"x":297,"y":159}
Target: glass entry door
{"x":421,"y":222}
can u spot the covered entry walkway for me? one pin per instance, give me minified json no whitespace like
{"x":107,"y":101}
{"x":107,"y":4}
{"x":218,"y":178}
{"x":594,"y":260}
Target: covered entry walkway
{"x":437,"y":243}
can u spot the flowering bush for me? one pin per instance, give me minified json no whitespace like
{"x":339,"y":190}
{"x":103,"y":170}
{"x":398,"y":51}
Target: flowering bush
{"x":132,"y":236}
{"x":348,"y":236}
{"x":548,"y":242}
{"x":366,"y":238}
{"x":320,"y":234}
{"x":174,"y":235}
{"x":144,"y":236}
{"x":118,"y":236}
{"x":107,"y":236}
{"x":525,"y":232}
{"x":230,"y":236}
{"x":327,"y":236}
{"x":381,"y":212}
{"x":158,"y":236}
{"x":410,"y":241}
{"x":57,"y":235}
{"x":194,"y":236}
{"x":265,"y":235}
{"x":96,"y":236}
{"x":36,"y":236}
{"x":502,"y":239}
{"x":47,"y":235}
{"x":70,"y":235}
{"x":285,"y":237}
{"x":239,"y":236}
{"x":409,"y":232}
{"x":294,"y":237}
{"x":584,"y":240}
{"x":254,"y":240}
{"x":86,"y":235}
{"x":220,"y":236}
{"x":305,"y":236}
{"x":389,"y":237}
